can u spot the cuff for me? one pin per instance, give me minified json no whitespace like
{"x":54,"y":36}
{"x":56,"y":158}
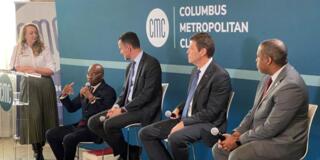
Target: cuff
{"x":243,"y":138}
{"x":116,"y":106}
{"x":93,"y":100}
{"x":63,"y":96}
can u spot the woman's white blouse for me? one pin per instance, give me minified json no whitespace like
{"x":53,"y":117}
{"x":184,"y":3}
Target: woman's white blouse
{"x":44,"y":59}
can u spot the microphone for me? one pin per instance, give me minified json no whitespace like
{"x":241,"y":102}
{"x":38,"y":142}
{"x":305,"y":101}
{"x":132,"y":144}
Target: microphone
{"x":215,"y":131}
{"x":170,"y":114}
{"x":102,"y":118}
{"x":87,"y":84}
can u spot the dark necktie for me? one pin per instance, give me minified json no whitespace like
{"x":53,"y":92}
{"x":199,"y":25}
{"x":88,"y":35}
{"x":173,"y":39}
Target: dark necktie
{"x":91,"y":89}
{"x":264,"y":92}
{"x":266,"y":87}
{"x":193,"y":88}
{"x":131,"y":73}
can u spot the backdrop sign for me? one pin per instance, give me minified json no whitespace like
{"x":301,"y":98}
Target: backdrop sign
{"x":6,"y":92}
{"x":164,"y":29}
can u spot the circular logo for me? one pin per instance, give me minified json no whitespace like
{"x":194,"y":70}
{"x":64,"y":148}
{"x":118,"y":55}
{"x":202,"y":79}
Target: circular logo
{"x":6,"y":92}
{"x":157,"y":27}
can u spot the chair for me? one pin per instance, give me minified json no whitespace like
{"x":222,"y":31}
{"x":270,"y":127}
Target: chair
{"x":229,"y":103}
{"x":228,"y":109}
{"x":135,"y":125}
{"x":311,"y":112}
{"x":79,"y":146}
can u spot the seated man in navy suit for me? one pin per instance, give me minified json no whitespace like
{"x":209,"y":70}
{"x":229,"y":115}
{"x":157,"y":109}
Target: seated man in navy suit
{"x":94,"y":97}
{"x":204,"y":108}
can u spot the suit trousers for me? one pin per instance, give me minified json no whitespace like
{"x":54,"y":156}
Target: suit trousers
{"x":152,"y":135}
{"x":256,"y":150}
{"x":111,"y":129}
{"x":64,"y":140}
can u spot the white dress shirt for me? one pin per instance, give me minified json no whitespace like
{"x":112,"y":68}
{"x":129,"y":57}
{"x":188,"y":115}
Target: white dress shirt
{"x":26,"y":58}
{"x":137,"y":62}
{"x":202,"y":70}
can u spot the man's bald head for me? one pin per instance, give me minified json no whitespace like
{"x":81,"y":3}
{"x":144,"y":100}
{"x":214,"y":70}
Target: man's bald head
{"x":275,"y":49}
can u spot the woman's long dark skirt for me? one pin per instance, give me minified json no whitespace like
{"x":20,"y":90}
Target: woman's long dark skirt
{"x":41,"y":114}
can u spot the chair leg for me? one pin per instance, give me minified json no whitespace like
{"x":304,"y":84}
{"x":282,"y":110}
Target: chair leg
{"x":102,"y":156}
{"x":137,"y":139}
{"x":128,"y":141}
{"x":193,"y":152}
{"x":78,"y":152}
{"x":165,"y":141}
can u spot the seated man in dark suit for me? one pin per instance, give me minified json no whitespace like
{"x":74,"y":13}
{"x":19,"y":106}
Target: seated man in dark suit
{"x":93,"y":98}
{"x":139,"y":101}
{"x":205,"y":107}
{"x":276,"y":126}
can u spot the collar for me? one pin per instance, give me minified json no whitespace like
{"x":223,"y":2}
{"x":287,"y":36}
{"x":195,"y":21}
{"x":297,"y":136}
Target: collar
{"x":95,"y":87}
{"x":138,"y":58}
{"x":275,"y":75}
{"x":204,"y":67}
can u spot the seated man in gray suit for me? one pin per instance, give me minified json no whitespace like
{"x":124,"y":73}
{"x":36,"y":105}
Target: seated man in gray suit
{"x":204,"y":108}
{"x":276,"y":126}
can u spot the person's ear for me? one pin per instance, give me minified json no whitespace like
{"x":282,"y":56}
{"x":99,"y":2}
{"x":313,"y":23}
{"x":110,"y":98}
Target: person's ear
{"x":269,"y":60}
{"x":203,"y":51}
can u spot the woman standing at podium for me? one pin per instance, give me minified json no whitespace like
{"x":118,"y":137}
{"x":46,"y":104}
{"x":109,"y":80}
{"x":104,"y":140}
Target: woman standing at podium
{"x":31,"y":56}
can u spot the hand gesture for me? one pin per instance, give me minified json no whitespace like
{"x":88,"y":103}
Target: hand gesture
{"x":68,"y":89}
{"x":114,"y":111}
{"x":176,"y":112}
{"x":229,"y":143}
{"x":177,"y":127}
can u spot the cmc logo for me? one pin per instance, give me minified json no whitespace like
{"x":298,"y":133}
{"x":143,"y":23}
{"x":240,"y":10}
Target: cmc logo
{"x":6,"y":93}
{"x":157,"y":27}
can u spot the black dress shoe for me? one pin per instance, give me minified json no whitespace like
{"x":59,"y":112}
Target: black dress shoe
{"x":37,"y":149}
{"x":120,"y":158}
{"x":38,"y":156}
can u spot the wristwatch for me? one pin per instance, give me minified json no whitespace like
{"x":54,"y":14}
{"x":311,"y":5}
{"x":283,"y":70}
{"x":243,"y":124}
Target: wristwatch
{"x":238,"y":143}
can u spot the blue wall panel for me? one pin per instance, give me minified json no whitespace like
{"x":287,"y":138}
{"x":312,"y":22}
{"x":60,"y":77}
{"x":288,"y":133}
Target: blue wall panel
{"x":89,"y":30}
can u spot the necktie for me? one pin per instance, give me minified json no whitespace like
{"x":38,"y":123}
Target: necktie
{"x":267,"y":85}
{"x":91,"y":89}
{"x":265,"y":88}
{"x":192,"y":89}
{"x":130,"y":79}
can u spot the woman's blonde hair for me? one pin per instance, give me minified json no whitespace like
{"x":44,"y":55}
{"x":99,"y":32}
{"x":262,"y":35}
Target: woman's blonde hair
{"x":38,"y":45}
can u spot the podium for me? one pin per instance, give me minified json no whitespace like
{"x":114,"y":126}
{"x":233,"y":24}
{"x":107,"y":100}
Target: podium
{"x":14,"y":104}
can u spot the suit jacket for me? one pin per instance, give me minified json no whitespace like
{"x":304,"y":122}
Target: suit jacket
{"x":210,"y":101}
{"x":106,"y":97}
{"x":147,"y":90}
{"x":280,"y":117}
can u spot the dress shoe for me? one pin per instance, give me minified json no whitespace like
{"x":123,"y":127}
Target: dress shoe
{"x":38,"y":156}
{"x":120,"y":158}
{"x":37,"y":149}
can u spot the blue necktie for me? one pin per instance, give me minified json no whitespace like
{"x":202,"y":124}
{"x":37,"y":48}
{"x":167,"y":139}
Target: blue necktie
{"x":190,"y":94}
{"x":131,"y":73}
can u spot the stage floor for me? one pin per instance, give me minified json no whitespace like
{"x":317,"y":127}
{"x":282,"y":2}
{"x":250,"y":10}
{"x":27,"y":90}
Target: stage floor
{"x":11,"y":150}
